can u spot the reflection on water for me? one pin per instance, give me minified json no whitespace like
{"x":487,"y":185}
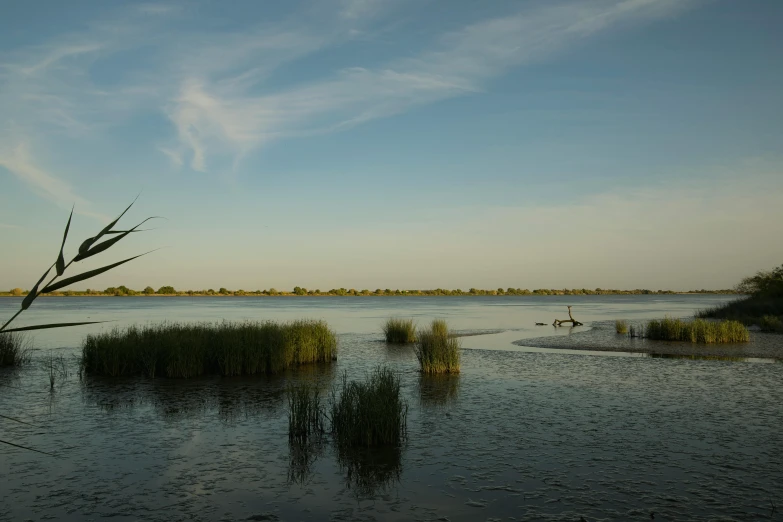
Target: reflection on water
{"x":706,"y":357}
{"x":518,"y":435}
{"x":231,"y":399}
{"x":301,"y":458}
{"x":438,"y":390}
{"x":370,"y":471}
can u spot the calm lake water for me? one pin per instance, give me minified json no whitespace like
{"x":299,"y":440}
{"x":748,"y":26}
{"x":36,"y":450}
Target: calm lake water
{"x":518,"y":435}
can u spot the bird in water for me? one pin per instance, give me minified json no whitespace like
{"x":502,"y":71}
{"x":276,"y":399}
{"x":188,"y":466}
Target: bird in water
{"x":540,"y":324}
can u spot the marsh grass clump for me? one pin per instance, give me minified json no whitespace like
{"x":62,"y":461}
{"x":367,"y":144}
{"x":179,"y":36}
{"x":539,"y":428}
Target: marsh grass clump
{"x":399,"y":330}
{"x":189,"y":350}
{"x":621,"y":326}
{"x":305,"y":413}
{"x":370,"y":412}
{"x":771,"y":323}
{"x":14,"y":350}
{"x":697,"y":331}
{"x":438,"y":351}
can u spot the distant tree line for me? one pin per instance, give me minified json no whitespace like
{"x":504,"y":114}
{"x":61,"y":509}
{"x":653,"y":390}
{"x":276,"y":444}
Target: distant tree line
{"x":298,"y":290}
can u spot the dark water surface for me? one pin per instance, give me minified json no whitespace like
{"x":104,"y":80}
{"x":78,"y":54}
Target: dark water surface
{"x":517,"y":436}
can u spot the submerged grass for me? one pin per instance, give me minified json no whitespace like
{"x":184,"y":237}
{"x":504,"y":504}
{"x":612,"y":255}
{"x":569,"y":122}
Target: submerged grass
{"x":697,"y":331}
{"x":14,"y":350}
{"x":189,"y":350}
{"x":399,"y":331}
{"x":370,"y":412}
{"x":621,"y":326}
{"x":437,"y":351}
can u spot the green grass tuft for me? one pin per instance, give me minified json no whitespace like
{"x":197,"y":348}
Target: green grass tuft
{"x":399,"y":331}
{"x":189,"y":350}
{"x":14,"y":350}
{"x":621,"y":326}
{"x":369,"y":413}
{"x":697,"y":331}
{"x":305,"y":413}
{"x":437,"y":351}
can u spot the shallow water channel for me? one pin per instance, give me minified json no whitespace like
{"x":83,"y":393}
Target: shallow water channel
{"x":518,"y":435}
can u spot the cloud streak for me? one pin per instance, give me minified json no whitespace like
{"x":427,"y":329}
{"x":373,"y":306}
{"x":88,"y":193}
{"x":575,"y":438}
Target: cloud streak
{"x":18,"y":161}
{"x":220,"y":90}
{"x":213,"y":118}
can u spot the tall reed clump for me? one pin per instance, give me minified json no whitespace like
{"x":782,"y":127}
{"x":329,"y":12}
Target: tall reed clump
{"x":305,"y":413}
{"x":437,"y":351}
{"x":697,"y":331}
{"x":399,"y":330}
{"x":14,"y":350}
{"x":369,"y":413}
{"x":621,"y":326}
{"x":190,"y":350}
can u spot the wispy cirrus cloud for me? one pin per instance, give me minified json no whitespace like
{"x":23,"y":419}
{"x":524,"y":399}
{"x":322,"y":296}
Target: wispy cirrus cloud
{"x":220,"y":91}
{"x":229,"y":119}
{"x":19,"y":162}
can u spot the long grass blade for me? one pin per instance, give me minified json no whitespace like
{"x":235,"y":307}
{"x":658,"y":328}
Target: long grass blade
{"x":26,"y":448}
{"x":111,"y":232}
{"x":34,"y":292}
{"x":87,"y":275}
{"x":16,"y":420}
{"x":60,"y":259}
{"x":85,"y":246}
{"x":50,"y":325}
{"x":102,"y":247}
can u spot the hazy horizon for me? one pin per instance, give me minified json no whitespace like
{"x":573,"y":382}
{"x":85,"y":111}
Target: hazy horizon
{"x":615,"y":144}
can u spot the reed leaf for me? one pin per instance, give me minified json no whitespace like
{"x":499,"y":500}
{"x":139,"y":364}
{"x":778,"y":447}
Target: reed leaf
{"x":85,"y":246}
{"x":102,"y":247}
{"x":16,"y":420}
{"x":87,"y":275}
{"x":60,"y":259}
{"x":50,"y":325}
{"x":34,"y":292}
{"x":26,"y":448}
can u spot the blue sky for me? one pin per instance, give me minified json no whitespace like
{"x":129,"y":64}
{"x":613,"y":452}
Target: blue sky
{"x":410,"y":144}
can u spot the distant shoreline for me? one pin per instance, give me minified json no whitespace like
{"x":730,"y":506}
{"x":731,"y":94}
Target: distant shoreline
{"x":249,"y":294}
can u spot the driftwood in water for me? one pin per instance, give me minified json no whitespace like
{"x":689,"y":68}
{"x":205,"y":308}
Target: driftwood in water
{"x":573,"y":321}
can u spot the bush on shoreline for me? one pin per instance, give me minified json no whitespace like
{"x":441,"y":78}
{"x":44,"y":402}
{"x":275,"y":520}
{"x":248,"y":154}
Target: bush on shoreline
{"x":762,"y":307}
